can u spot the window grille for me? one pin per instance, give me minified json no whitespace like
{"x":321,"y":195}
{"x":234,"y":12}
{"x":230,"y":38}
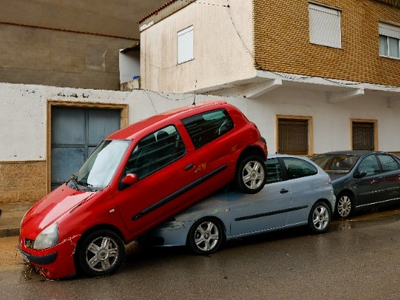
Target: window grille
{"x":293,"y":136}
{"x":363,"y":136}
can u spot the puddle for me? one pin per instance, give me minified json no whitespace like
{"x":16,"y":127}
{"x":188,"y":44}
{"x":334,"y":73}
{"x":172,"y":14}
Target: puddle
{"x":366,"y":220}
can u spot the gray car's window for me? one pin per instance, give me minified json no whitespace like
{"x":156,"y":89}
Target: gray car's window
{"x":369,"y":165}
{"x":274,"y":172}
{"x":388,"y":163}
{"x":206,"y":127}
{"x":155,"y":151}
{"x":297,"y":168}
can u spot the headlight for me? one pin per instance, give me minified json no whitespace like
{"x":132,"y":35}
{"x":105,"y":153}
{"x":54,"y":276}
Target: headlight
{"x":47,"y":238}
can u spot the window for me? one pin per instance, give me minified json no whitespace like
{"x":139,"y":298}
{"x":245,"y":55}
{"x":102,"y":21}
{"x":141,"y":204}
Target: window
{"x":363,"y":135}
{"x":388,"y":163}
{"x":293,"y":136}
{"x":389,"y":39}
{"x":297,"y":168}
{"x":185,"y":45}
{"x":274,"y":172}
{"x":325,"y":27}
{"x":206,"y":127}
{"x":155,"y":151}
{"x":369,"y":165}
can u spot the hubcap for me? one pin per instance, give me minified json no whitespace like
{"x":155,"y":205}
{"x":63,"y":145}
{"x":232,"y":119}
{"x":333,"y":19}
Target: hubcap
{"x":206,"y":236}
{"x":253,"y":175}
{"x":102,"y":254}
{"x":344,"y":206}
{"x":320,"y":217}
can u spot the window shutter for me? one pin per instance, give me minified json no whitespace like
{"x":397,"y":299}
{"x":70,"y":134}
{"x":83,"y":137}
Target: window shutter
{"x":325,"y":27}
{"x":185,"y":45}
{"x":389,"y":30}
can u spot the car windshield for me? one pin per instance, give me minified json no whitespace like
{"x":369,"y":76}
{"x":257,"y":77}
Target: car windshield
{"x":338,"y":163}
{"x":97,"y":171}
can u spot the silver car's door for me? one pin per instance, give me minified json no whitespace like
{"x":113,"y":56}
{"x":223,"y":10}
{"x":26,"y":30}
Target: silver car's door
{"x":265,"y":210}
{"x":306,"y":186}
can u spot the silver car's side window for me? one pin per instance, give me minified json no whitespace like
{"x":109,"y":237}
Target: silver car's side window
{"x":274,"y":172}
{"x":297,"y":168}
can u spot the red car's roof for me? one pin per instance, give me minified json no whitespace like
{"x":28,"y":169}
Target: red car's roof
{"x":152,"y":123}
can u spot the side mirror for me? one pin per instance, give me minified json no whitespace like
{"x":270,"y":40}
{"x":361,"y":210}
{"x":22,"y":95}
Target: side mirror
{"x":130,"y":179}
{"x":360,"y":174}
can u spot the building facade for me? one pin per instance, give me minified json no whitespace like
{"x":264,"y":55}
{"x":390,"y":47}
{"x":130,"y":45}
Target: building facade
{"x":315,"y":76}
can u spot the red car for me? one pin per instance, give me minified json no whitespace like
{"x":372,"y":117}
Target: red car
{"x":137,"y":178}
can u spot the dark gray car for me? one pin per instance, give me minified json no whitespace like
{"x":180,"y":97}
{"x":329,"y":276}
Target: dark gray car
{"x":361,"y":178}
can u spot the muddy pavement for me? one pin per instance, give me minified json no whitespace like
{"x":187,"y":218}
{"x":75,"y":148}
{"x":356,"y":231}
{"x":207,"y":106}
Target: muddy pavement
{"x":356,"y":259}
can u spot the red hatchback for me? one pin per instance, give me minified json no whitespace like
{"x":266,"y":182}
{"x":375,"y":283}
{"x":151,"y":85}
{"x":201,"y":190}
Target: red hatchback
{"x":137,"y":178}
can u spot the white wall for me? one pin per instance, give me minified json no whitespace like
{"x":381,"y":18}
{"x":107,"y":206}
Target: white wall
{"x":23,"y":116}
{"x":223,"y":44}
{"x":331,"y":122}
{"x":24,"y":126}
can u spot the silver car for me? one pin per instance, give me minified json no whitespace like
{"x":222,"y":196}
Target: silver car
{"x":297,"y":192}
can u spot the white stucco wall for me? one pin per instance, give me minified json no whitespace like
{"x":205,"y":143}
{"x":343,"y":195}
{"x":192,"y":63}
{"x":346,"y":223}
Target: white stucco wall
{"x":23,"y":116}
{"x":331,"y":121}
{"x":217,"y":56}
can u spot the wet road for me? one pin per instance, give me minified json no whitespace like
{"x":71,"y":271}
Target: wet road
{"x":356,"y":259}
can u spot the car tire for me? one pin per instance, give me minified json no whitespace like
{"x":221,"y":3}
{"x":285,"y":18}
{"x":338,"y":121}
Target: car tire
{"x":251,"y":175}
{"x":319,"y":218}
{"x":101,"y":253}
{"x":345,"y":205}
{"x":205,"y":236}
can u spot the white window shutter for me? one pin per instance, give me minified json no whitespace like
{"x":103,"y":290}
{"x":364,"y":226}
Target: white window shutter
{"x":389,"y":30}
{"x":325,"y":27}
{"x":185,"y":45}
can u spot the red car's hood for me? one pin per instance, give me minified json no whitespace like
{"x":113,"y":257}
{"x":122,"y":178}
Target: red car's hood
{"x":51,"y":208}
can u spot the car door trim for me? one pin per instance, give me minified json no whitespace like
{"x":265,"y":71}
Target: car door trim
{"x":276,"y":212}
{"x":179,"y":192}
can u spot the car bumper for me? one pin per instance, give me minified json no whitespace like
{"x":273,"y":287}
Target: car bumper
{"x":53,"y":263}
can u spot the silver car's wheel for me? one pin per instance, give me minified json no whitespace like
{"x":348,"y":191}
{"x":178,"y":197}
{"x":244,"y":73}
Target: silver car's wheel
{"x":250,"y":177}
{"x":320,"y":217}
{"x":205,"y":236}
{"x":101,"y":253}
{"x":345,"y":205}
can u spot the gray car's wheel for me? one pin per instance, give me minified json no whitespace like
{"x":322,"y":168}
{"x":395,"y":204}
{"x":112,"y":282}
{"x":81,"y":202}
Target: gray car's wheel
{"x":320,"y":217}
{"x":345,"y":205}
{"x":101,"y":253}
{"x":205,"y":236}
{"x":251,"y":175}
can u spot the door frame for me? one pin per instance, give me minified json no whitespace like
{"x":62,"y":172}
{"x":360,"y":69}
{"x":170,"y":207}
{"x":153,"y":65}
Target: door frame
{"x":124,"y":121}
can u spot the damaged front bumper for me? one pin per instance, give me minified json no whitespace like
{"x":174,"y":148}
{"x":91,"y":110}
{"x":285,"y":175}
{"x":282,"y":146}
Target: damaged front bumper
{"x":53,"y":263}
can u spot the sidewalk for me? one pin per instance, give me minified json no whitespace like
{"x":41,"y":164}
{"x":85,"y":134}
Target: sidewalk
{"x":11,"y":217}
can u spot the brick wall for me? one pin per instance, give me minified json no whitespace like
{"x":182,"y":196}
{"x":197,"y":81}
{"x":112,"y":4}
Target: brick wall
{"x":282,"y":41}
{"x":22,"y":181}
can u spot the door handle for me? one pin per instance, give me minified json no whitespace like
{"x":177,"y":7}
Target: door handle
{"x":189,"y":166}
{"x":284,"y":191}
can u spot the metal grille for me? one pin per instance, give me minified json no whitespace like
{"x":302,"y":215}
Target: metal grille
{"x":363,"y":136}
{"x":293,"y":136}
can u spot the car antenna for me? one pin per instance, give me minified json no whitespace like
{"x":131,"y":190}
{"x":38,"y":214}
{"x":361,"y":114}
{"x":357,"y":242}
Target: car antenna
{"x":194,"y":96}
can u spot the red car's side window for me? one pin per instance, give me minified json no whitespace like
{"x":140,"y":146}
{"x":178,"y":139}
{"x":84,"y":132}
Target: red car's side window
{"x":155,"y":151}
{"x":206,"y":127}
